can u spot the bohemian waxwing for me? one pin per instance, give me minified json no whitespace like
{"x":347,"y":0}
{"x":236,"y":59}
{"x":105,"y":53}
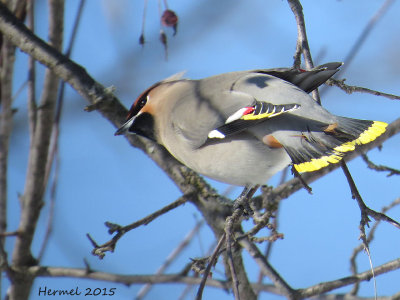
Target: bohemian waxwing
{"x":243,"y":127}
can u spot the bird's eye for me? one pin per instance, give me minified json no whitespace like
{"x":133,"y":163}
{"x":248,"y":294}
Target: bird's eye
{"x":142,"y":102}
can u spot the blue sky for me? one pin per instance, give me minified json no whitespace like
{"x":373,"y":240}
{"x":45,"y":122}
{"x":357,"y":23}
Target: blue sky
{"x":103,"y":179}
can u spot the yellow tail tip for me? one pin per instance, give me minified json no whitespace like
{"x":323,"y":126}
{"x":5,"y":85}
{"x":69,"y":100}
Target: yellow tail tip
{"x":370,"y":134}
{"x":375,"y":130}
{"x":318,"y":163}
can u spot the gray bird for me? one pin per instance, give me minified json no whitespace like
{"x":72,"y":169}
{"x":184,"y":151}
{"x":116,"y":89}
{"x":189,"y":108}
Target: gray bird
{"x":243,"y":127}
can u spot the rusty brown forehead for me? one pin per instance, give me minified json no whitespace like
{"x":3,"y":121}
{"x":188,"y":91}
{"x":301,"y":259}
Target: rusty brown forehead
{"x":140,"y":101}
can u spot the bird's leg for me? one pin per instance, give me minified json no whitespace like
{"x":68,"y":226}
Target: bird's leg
{"x":242,"y":202}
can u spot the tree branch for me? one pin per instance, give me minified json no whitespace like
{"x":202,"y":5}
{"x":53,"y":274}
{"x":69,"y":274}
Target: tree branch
{"x":328,"y":286}
{"x":350,"y":89}
{"x":380,"y":168}
{"x":283,"y":287}
{"x":100,"y":250}
{"x":359,"y":248}
{"x":32,"y":199}
{"x":302,"y":46}
{"x":6,"y":76}
{"x":324,"y":287}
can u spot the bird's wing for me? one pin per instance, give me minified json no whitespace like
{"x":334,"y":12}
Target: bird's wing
{"x":196,"y":115}
{"x":223,"y":106}
{"x":307,"y":80}
{"x":249,"y":116}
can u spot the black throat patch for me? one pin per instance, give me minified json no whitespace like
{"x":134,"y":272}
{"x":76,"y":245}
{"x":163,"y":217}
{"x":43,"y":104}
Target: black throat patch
{"x":144,"y":125}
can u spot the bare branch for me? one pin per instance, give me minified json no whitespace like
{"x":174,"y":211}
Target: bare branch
{"x":192,"y":266}
{"x":324,"y":287}
{"x":32,"y":106}
{"x":275,"y":210}
{"x":365,"y":213}
{"x":365,"y":210}
{"x":6,"y":75}
{"x":7,"y":58}
{"x":302,"y":41}
{"x":12,"y":233}
{"x":380,"y":168}
{"x":349,"y":89}
{"x":231,"y":226}
{"x":328,"y":286}
{"x":41,"y":271}
{"x":53,"y":155}
{"x":302,"y":46}
{"x":99,"y":250}
{"x":4,"y":260}
{"x":359,"y":248}
{"x":283,"y":287}
{"x":211,"y":263}
{"x":32,"y":198}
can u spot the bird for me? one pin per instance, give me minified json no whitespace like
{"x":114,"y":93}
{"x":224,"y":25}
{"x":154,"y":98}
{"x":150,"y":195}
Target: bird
{"x":243,"y":127}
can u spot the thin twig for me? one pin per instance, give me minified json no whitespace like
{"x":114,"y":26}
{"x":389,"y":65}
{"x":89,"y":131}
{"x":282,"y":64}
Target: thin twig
{"x":100,"y":250}
{"x":35,"y":180}
{"x":366,"y":212}
{"x":268,"y":270}
{"x":32,"y":106}
{"x":4,"y":260}
{"x":380,"y":168}
{"x":260,"y":224}
{"x":7,"y":58}
{"x":302,"y":45}
{"x":272,"y":238}
{"x":234,"y":277}
{"x":363,"y":207}
{"x":359,"y":248}
{"x":240,"y":205}
{"x":35,"y":184}
{"x":302,"y":41}
{"x":275,"y":223}
{"x":186,"y":270}
{"x":328,"y":286}
{"x":12,"y":233}
{"x":50,"y":219}
{"x":212,"y":262}
{"x":53,"y":155}
{"x":349,"y":89}
{"x":142,"y":38}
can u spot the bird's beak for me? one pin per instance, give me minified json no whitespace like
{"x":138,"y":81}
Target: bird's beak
{"x":125,"y":127}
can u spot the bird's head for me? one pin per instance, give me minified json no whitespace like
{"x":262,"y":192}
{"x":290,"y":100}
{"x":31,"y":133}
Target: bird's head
{"x":147,"y":108}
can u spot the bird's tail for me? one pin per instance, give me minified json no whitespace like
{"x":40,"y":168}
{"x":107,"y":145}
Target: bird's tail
{"x":320,"y":149}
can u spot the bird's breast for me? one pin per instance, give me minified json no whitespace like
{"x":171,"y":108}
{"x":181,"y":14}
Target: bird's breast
{"x":240,"y":160}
